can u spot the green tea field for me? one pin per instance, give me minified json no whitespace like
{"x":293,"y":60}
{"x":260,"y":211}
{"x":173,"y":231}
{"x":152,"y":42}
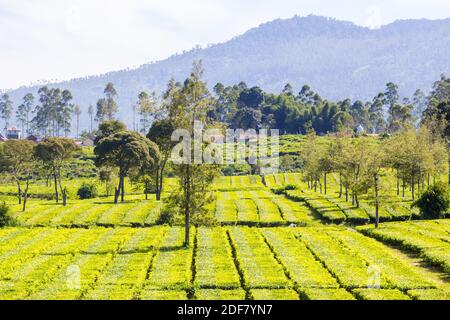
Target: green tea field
{"x":297,"y":245}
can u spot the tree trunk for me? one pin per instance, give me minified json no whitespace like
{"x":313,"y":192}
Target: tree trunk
{"x":325,"y":182}
{"x":64,"y":196}
{"x":56,"y":187}
{"x":161,"y":177}
{"x":412,"y":186}
{"x":398,"y":184}
{"x":187,"y":190}
{"x":63,"y":191}
{"x":418,"y":184}
{"x":377,"y":218}
{"x":25,"y":195}
{"x":356,"y":200}
{"x":146,"y":190}
{"x":346,"y":194}
{"x":117,"y":191}
{"x":19,"y":192}
{"x":340,"y":185}
{"x":403,"y":186}
{"x":157,"y":191}
{"x":122,"y":194}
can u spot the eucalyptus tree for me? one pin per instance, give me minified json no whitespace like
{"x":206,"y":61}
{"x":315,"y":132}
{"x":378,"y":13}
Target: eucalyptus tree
{"x":107,"y":106}
{"x":53,"y":114}
{"x":189,"y":103}
{"x":90,"y":112}
{"x":23,"y":112}
{"x":6,"y":109}
{"x":147,"y":109}
{"x":77,"y":113}
{"x":111,"y":105}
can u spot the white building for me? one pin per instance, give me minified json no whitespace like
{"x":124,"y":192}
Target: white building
{"x":13,"y":133}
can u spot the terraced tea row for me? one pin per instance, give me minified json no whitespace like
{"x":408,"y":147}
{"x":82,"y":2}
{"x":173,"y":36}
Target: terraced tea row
{"x":83,"y":213}
{"x":221,"y":263}
{"x":236,"y":207}
{"x":335,"y":209}
{"x":429,"y":238}
{"x":259,"y":207}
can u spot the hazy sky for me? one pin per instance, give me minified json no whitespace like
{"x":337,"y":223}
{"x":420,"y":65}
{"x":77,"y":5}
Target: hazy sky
{"x":63,"y":39}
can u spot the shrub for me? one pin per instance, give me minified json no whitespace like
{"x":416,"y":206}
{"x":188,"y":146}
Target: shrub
{"x":5,"y":218}
{"x":434,"y":202}
{"x":278,"y":190}
{"x":166,"y":217}
{"x":87,"y":191}
{"x":282,"y":190}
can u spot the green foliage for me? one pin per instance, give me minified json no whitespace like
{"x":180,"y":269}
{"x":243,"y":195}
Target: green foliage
{"x":87,"y":191}
{"x":108,"y":128}
{"x":53,"y":116}
{"x":222,"y":263}
{"x":257,"y":265}
{"x":429,"y":238}
{"x":126,"y":151}
{"x":5,"y":218}
{"x":434,"y":202}
{"x":380,"y":294}
{"x":166,"y":217}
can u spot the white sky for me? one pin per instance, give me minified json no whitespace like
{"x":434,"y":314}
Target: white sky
{"x":63,"y":39}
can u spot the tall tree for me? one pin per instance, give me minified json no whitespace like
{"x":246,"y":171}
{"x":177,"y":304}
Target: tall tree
{"x":23,"y":112}
{"x":147,"y":109}
{"x":77,"y":113}
{"x":160,"y":133}
{"x":6,"y":109}
{"x":441,"y":89}
{"x":193,"y":102}
{"x":54,"y":152}
{"x":91,"y":117}
{"x":419,"y":103}
{"x":391,"y":95}
{"x":111,"y":105}
{"x":108,"y":128}
{"x":16,"y":159}
{"x":125,"y":150}
{"x":100,"y":114}
{"x":376,"y":114}
{"x":53,"y":115}
{"x":64,"y":112}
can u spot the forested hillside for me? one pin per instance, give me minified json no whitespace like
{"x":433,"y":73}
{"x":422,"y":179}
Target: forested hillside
{"x":337,"y":59}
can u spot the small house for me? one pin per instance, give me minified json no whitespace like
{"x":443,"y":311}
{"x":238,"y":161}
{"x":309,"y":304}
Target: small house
{"x":360,"y":130}
{"x":33,"y":138}
{"x":13,"y":133}
{"x":87,"y":142}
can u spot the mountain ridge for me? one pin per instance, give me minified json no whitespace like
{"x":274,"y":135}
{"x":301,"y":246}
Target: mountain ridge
{"x":336,"y":58}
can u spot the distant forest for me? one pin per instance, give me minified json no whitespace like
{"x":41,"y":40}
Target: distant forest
{"x":337,"y":59}
{"x":52,"y":112}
